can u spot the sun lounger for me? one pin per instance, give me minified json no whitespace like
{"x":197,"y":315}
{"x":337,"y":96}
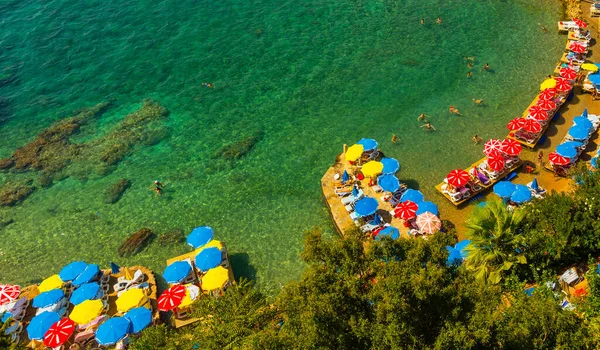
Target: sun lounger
{"x":595,"y":10}
{"x":564,"y":26}
{"x":343,"y":192}
{"x":19,"y":309}
{"x":93,"y":324}
{"x":354,"y":216}
{"x":368,"y":228}
{"x":352,"y":199}
{"x":454,"y":196}
{"x":143,"y":285}
{"x":123,"y":283}
{"x":83,"y":339}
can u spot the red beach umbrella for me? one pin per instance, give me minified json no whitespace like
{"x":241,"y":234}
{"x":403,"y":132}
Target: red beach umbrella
{"x":491,"y":146}
{"x":406,"y":210}
{"x":562,"y":84}
{"x":548,"y":94}
{"x":532,"y":126}
{"x":547,"y":105}
{"x":511,"y":147}
{"x":8,"y":293}
{"x":568,"y":73}
{"x":171,"y":298}
{"x":516,"y":124}
{"x":577,"y":47}
{"x":59,"y":333}
{"x":538,"y":113}
{"x":580,"y":23}
{"x":458,"y":177}
{"x":557,"y":159}
{"x":428,"y":223}
{"x":495,"y":161}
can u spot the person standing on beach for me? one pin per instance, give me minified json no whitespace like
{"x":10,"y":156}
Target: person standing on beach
{"x":541,"y":158}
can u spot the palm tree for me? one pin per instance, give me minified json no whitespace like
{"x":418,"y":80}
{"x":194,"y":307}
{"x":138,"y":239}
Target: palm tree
{"x":495,"y":241}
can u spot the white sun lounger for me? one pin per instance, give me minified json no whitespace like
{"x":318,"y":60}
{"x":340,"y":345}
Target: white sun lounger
{"x":352,"y":199}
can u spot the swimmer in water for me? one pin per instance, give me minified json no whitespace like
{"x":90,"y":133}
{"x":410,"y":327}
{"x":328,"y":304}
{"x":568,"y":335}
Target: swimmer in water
{"x":157,"y":187}
{"x":477,"y":139}
{"x":394,"y":138}
{"x":438,"y":21}
{"x":422,"y":117}
{"x":428,"y":126}
{"x":422,"y":20}
{"x":479,"y":101}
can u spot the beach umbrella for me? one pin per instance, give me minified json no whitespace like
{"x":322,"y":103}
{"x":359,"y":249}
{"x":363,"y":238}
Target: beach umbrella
{"x":52,"y":282}
{"x":428,"y":207}
{"x":187,"y":300}
{"x":131,"y":298}
{"x":413,"y":196}
{"x":9,"y":293}
{"x":548,"y":84}
{"x":548,"y":94}
{"x":390,"y":231}
{"x":579,"y":132}
{"x":458,"y":177}
{"x":372,"y":168}
{"x":177,"y":271}
{"x":140,"y":318}
{"x":454,"y":257}
{"x":215,"y":278}
{"x":355,"y":191}
{"x":390,"y":165}
{"x":113,"y":330}
{"x":522,"y":194}
{"x":428,"y":223}
{"x":579,"y":23}
{"x":495,"y":161}
{"x":585,"y":113}
{"x":516,"y":124}
{"x":200,"y":236}
{"x":563,"y":84}
{"x":568,"y":73}
{"x":594,"y":78}
{"x":557,"y":159}
{"x":532,"y":126}
{"x":566,"y":151}
{"x":354,"y":152}
{"x":86,"y":292}
{"x":388,"y":182}
{"x":171,"y":298}
{"x":546,"y":105}
{"x":491,"y":146}
{"x":345,"y":177}
{"x":40,"y":324}
{"x":583,"y":121}
{"x":212,"y":244}
{"x":48,"y":298}
{"x":537,"y":113}
{"x":462,"y":247}
{"x":577,"y":47}
{"x":114,"y":268}
{"x":90,"y":272}
{"x":504,"y":189}
{"x":376,"y":220}
{"x":86,"y":311}
{"x":366,"y":206}
{"x":209,"y":258}
{"x":589,"y":66}
{"x":368,"y":144}
{"x":511,"y":147}
{"x":72,"y":270}
{"x":534,"y":184}
{"x":406,"y":210}
{"x":59,"y":333}
{"x":594,"y":162}
{"x":573,"y":143}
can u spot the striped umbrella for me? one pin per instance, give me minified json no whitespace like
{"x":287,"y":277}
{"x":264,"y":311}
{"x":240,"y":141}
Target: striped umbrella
{"x":579,"y":23}
{"x":428,"y":223}
{"x":458,"y":177}
{"x":59,"y":333}
{"x":568,"y":73}
{"x":548,"y":94}
{"x":495,"y":161}
{"x":516,"y":124}
{"x":563,"y":84}
{"x":491,"y":146}
{"x":511,"y":147}
{"x":532,"y":126}
{"x":538,"y":113}
{"x":406,"y":210}
{"x":577,"y":47}
{"x":171,"y":298}
{"x":8,"y":293}
{"x":557,"y":159}
{"x":547,"y":105}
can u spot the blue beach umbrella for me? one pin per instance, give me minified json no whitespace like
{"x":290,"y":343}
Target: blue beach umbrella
{"x":345,"y":177}
{"x":566,"y":151}
{"x":91,"y":271}
{"x":390,"y":165}
{"x":504,"y":189}
{"x":573,"y":143}
{"x":534,"y":184}
{"x":413,"y":196}
{"x":355,"y":191}
{"x":209,"y":258}
{"x":454,"y":257}
{"x":114,"y":268}
{"x":594,"y":78}
{"x":594,"y":162}
{"x":390,"y":231}
{"x":86,"y":292}
{"x":579,"y":132}
{"x":376,"y":220}
{"x":113,"y":330}
{"x":48,"y":298}
{"x":368,"y":144}
{"x":521,"y":195}
{"x":200,"y":236}
{"x":140,"y":318}
{"x":585,"y":113}
{"x":71,"y":271}
{"x":366,"y":206}
{"x":40,"y":324}
{"x":583,"y":121}
{"x":388,"y":182}
{"x":427,"y":206}
{"x":462,"y":247}
{"x":177,"y":271}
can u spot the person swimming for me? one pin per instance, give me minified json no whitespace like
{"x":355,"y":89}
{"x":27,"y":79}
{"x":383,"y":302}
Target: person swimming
{"x":208,"y":85}
{"x":478,"y":101}
{"x":469,"y":74}
{"x":486,"y":67}
{"x":428,"y":126}
{"x":422,"y":20}
{"x":394,"y":138}
{"x":157,"y":187}
{"x":454,"y":110}
{"x":422,"y":117}
{"x":477,"y":139}
{"x":438,"y":21}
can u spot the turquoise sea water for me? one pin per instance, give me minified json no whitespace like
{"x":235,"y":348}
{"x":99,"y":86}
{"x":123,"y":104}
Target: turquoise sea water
{"x":310,"y":76}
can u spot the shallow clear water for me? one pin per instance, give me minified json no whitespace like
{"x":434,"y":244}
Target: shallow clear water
{"x":309,"y":75}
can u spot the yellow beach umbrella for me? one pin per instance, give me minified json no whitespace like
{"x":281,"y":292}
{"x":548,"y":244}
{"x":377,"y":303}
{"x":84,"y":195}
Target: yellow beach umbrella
{"x":548,"y":84}
{"x":215,"y":278}
{"x":589,"y":66}
{"x":87,"y":311}
{"x":213,"y":243}
{"x":131,"y":298}
{"x":354,"y":152}
{"x":52,"y":282}
{"x":372,"y":168}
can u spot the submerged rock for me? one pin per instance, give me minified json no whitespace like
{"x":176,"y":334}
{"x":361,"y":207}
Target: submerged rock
{"x":174,"y":236}
{"x":136,"y":242}
{"x":13,"y":193}
{"x":238,"y":149}
{"x":116,"y":190}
